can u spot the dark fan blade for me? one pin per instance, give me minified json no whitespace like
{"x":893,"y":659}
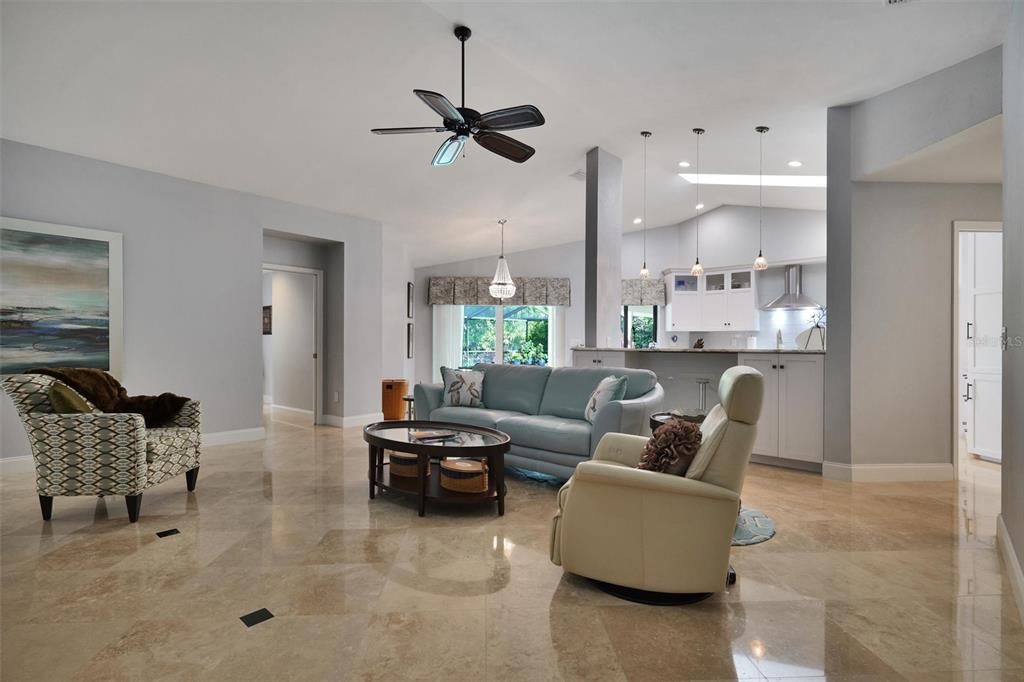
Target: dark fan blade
{"x":440,"y":104}
{"x":513,"y":118}
{"x":449,"y":151}
{"x":403,"y":131}
{"x":503,"y":145}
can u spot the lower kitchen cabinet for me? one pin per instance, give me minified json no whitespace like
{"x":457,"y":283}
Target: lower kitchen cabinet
{"x":598,"y":358}
{"x":792,"y":416}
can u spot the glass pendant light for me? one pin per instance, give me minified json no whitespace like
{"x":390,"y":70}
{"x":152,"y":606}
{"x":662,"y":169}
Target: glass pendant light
{"x":644,"y":272}
{"x":502,"y":285}
{"x":760,"y":263}
{"x":697,"y":270}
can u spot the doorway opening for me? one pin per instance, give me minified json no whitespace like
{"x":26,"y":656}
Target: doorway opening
{"x":293,"y":344}
{"x":977,"y":346}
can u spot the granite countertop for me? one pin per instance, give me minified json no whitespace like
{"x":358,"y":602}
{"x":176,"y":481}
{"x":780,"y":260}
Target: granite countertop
{"x":731,"y":351}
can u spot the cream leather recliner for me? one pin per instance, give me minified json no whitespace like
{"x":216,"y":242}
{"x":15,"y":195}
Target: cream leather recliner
{"x":658,"y":532}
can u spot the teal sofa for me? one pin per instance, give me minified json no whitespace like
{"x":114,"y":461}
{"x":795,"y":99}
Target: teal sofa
{"x":541,"y":409}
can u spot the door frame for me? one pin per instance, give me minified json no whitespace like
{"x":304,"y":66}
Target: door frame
{"x":960,"y":226}
{"x":318,"y":333}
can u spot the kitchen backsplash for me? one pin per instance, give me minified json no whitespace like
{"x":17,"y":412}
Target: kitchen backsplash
{"x":791,"y":322}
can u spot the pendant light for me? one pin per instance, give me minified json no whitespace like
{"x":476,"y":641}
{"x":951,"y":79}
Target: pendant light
{"x":644,"y":272}
{"x":502,"y":285}
{"x":760,"y":263}
{"x":697,"y":270}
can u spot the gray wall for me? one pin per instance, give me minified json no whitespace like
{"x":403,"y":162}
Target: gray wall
{"x":193,"y":256}
{"x":890,"y":267}
{"x":292,"y":365}
{"x":893,"y":125}
{"x":328,"y":257}
{"x":1013,"y":280}
{"x":901,"y":337}
{"x":728,"y":238}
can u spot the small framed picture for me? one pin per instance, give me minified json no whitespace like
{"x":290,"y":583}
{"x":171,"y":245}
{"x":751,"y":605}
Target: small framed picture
{"x":409,"y":341}
{"x":409,"y":299}
{"x":268,"y":320}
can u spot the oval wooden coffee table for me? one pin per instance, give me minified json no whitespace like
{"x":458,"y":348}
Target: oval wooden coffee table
{"x":476,"y":442}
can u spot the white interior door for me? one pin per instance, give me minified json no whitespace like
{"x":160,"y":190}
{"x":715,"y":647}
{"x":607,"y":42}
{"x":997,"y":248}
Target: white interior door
{"x":982,"y":295}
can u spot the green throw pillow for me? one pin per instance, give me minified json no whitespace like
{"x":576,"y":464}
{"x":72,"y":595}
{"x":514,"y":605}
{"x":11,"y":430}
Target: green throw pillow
{"x":65,"y":400}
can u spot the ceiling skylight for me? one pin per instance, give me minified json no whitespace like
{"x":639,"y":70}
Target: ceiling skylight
{"x":752,"y":180}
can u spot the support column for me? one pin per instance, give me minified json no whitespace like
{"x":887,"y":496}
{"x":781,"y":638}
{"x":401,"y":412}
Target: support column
{"x":603,"y":291}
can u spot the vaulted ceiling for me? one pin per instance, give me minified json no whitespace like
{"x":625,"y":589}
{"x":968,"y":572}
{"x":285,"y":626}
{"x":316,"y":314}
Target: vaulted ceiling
{"x":278,"y":98}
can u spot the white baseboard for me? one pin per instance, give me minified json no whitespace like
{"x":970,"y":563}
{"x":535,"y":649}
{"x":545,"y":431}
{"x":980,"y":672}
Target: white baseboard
{"x":353,"y":420}
{"x":268,"y":399}
{"x":1011,"y":562}
{"x":17,"y":465}
{"x":293,"y":410}
{"x":236,"y":436}
{"x":880,"y":473}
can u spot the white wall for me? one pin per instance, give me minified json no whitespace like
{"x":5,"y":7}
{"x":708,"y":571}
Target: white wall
{"x":193,"y":263}
{"x":729,"y":236}
{"x":902,"y":316}
{"x":292,"y":363}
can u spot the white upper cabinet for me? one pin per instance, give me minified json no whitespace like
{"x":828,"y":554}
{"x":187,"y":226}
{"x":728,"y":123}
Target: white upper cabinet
{"x":717,"y":301}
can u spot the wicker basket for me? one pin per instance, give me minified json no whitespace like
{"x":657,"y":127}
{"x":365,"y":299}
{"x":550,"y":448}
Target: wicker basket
{"x":464,"y":475}
{"x":403,"y":464}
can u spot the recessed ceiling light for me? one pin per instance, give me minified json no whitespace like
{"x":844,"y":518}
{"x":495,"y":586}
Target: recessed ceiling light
{"x":699,"y":206}
{"x":795,"y":164}
{"x":684,"y":164}
{"x":752,"y":180}
{"x":637,"y":221}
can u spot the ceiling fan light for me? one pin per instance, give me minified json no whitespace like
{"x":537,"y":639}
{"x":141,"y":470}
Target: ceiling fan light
{"x":760,"y":263}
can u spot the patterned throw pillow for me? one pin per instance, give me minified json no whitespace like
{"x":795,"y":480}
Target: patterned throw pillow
{"x":672,"y":447}
{"x":463,"y":387}
{"x":610,"y":388}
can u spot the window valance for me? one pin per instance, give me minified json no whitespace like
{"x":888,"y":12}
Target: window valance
{"x":643,"y":292}
{"x":474,"y":291}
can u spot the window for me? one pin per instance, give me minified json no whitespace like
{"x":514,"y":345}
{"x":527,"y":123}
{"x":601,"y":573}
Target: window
{"x":479,"y":334}
{"x":515,"y":335}
{"x":526,"y":334}
{"x":639,"y":324}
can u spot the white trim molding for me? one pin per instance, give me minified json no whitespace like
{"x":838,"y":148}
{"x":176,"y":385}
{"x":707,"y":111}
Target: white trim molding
{"x":298,"y":411}
{"x":236,"y":436}
{"x":352,"y":420}
{"x":17,"y":465}
{"x":879,"y":473}
{"x":1012,"y":563}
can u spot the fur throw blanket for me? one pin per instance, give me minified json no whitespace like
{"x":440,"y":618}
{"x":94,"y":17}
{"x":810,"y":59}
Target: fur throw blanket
{"x":672,"y":448}
{"x":107,"y":394}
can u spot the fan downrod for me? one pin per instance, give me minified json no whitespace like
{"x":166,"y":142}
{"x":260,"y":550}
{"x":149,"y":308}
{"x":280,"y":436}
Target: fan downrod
{"x":462,"y":33}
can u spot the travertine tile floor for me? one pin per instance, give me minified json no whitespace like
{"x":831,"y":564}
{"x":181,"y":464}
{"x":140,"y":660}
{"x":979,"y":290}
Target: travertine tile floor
{"x":864,"y":582}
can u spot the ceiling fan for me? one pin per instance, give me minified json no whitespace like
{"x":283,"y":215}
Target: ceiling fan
{"x":464,"y":123}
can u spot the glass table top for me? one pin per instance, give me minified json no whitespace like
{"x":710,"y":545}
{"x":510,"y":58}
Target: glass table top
{"x":461,"y":439}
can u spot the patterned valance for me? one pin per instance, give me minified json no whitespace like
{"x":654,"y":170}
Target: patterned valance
{"x":643,"y":292}
{"x":474,"y":291}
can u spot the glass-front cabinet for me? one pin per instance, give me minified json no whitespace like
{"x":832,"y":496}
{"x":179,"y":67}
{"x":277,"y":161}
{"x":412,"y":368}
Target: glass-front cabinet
{"x":720,"y":300}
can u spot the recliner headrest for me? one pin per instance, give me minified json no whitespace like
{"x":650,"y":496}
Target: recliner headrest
{"x":741,"y":391}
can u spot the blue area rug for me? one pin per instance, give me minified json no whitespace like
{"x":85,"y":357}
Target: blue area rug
{"x":752,"y":527}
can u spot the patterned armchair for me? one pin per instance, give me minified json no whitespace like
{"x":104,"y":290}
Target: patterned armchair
{"x":101,"y":453}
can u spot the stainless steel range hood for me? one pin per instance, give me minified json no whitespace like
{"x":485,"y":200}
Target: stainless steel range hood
{"x":793,"y":297}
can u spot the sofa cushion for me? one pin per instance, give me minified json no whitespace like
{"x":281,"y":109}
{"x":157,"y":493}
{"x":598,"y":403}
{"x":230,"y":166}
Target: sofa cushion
{"x":544,"y":432}
{"x":569,"y":388}
{"x":476,"y":416}
{"x":463,"y":387}
{"x":514,"y":387}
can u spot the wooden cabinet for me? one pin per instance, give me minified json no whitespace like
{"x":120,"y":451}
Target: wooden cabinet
{"x":792,"y":416}
{"x":716,"y":301}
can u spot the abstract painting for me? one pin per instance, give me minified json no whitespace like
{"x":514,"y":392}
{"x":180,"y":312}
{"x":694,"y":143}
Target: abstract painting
{"x":60,"y":297}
